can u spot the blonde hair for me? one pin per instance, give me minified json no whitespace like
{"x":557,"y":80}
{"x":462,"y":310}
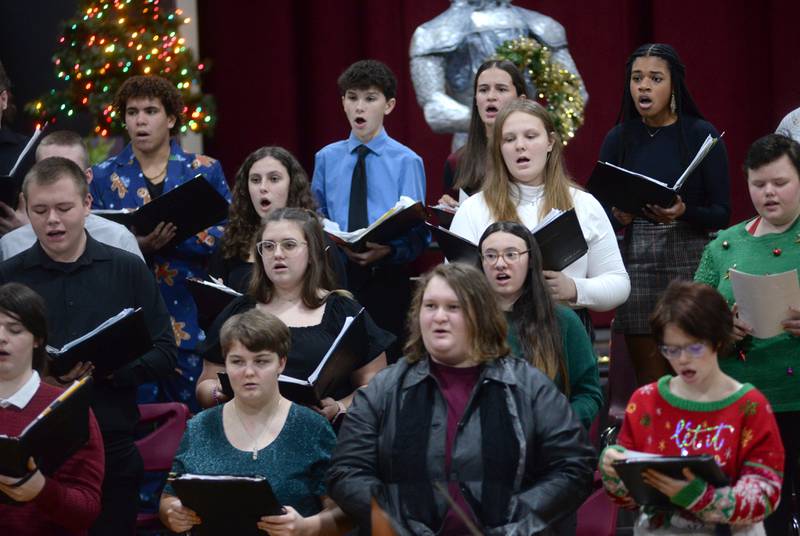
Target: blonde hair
{"x":499,"y":182}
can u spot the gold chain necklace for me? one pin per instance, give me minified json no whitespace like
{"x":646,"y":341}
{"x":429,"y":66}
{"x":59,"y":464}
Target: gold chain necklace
{"x":160,"y":174}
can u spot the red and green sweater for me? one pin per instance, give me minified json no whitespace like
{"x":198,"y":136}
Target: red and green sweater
{"x":739,"y":431}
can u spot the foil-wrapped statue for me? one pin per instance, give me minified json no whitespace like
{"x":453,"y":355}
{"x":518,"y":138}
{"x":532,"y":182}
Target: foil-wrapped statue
{"x":790,"y":125}
{"x":447,"y":51}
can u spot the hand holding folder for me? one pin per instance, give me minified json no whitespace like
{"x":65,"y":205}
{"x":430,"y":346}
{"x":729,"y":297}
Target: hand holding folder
{"x":628,"y":191}
{"x":631,"y":471}
{"x":395,"y":222}
{"x":110,"y":346}
{"x":190,"y":208}
{"x":227,"y":504}
{"x":53,"y":436}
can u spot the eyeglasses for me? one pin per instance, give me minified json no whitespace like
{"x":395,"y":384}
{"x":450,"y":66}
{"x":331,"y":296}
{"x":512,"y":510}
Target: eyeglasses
{"x":510,"y":256}
{"x":289,"y":246}
{"x":695,"y":350}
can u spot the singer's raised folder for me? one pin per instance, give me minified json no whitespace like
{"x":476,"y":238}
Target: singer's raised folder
{"x":53,"y":436}
{"x":630,"y":471}
{"x":192,"y":207}
{"x":110,"y":346}
{"x":334,"y":368}
{"x":628,"y":191}
{"x":394,"y":223}
{"x":211,"y":298}
{"x":558,"y":235}
{"x":227,"y":504}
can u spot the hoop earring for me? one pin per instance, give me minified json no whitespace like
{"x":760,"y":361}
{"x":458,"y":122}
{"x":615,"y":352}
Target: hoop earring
{"x":672,"y":106}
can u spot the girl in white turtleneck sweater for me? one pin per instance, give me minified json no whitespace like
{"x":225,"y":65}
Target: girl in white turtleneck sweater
{"x":528,"y":180}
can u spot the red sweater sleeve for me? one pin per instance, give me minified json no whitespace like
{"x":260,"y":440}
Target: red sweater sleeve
{"x":756,"y":492}
{"x":71,"y":496}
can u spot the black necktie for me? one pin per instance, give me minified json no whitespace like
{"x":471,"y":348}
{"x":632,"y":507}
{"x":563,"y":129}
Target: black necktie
{"x":357,"y":218}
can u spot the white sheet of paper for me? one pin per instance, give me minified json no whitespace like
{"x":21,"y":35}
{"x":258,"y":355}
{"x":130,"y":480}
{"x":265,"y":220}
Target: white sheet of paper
{"x":333,"y":228}
{"x":552,"y":215}
{"x":462,"y":196}
{"x":764,"y":300}
{"x":28,"y":146}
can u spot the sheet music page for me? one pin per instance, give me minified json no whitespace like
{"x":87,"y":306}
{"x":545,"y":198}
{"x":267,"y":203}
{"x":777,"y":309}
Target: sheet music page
{"x":764,"y":300}
{"x":31,"y":142}
{"x":708,"y":144}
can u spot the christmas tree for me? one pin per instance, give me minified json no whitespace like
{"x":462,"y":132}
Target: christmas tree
{"x":109,"y":41}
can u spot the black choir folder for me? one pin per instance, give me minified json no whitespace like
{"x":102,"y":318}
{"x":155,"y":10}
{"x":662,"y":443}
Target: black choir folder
{"x":11,"y":184}
{"x":444,"y":214}
{"x":628,"y":191}
{"x":394,"y":223}
{"x":560,"y":239}
{"x":558,"y":235}
{"x":110,"y":346}
{"x":334,"y":368}
{"x":211,"y":298}
{"x":192,"y":207}
{"x":454,"y":247}
{"x":630,"y":471}
{"x":53,"y":436}
{"x":227,"y":504}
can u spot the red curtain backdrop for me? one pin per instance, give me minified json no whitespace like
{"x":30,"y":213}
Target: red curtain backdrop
{"x":275,"y":65}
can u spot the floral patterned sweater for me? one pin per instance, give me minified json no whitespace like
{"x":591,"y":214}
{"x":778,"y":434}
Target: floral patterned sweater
{"x":739,"y":431}
{"x":119,"y":183}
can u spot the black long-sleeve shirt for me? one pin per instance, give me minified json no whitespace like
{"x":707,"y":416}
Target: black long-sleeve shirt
{"x":657,"y":154}
{"x":81,"y":295}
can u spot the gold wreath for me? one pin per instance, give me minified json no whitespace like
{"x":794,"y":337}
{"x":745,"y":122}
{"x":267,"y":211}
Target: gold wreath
{"x":558,"y":89}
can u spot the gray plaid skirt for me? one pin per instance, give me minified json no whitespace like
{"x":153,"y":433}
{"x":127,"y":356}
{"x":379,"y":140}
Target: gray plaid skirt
{"x":654,"y":255}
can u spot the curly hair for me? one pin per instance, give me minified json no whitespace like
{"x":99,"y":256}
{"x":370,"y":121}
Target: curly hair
{"x":365,"y":74}
{"x":243,"y":220}
{"x":153,"y":87}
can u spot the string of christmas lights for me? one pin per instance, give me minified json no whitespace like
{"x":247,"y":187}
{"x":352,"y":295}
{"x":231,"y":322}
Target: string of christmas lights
{"x":107,"y":42}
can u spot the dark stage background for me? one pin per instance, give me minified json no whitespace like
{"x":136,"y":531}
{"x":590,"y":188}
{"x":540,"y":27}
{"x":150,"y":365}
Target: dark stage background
{"x":275,"y":64}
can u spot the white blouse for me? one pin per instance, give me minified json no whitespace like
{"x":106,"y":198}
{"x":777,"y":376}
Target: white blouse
{"x":600,"y":277}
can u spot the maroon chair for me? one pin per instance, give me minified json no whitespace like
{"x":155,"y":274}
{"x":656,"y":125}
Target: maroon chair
{"x":159,"y":446}
{"x":621,"y":380}
{"x":597,"y":516}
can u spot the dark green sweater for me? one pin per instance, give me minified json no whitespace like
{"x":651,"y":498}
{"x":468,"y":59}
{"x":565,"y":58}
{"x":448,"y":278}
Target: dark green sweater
{"x":585,"y":394}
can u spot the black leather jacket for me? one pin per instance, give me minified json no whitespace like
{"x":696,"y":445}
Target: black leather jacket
{"x":552,"y":479}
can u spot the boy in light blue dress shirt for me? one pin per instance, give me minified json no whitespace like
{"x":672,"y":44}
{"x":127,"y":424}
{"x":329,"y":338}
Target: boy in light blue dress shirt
{"x":378,"y":277}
